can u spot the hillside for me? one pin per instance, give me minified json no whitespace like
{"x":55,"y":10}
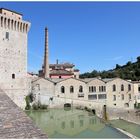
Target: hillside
{"x":128,"y":71}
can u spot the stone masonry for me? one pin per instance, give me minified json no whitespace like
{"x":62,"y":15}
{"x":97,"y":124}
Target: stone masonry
{"x":14,"y":123}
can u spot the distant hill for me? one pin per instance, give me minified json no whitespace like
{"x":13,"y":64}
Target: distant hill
{"x":129,"y":71}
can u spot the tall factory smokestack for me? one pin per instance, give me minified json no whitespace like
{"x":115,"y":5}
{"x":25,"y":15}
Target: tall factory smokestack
{"x":46,"y":57}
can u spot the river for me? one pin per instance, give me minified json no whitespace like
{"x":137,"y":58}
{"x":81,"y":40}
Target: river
{"x":59,"y":123}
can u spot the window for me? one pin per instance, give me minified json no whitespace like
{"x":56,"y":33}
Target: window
{"x":122,"y":96}
{"x":139,"y":89}
{"x":62,"y":89}
{"x":71,"y":89}
{"x":13,"y":76}
{"x":7,"y":35}
{"x":129,"y":96}
{"x":89,"y":89}
{"x":114,"y":97}
{"x":114,"y":87}
{"x":92,"y":97}
{"x":102,"y":96}
{"x":92,"y":89}
{"x":80,"y":89}
{"x":129,"y":87}
{"x":122,"y":87}
{"x":102,"y":88}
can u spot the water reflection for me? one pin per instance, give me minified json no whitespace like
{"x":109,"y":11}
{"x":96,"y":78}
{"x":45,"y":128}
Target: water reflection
{"x":68,"y":123}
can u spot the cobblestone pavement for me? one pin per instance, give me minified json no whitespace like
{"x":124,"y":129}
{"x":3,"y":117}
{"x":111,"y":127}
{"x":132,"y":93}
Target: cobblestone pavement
{"x":14,"y":123}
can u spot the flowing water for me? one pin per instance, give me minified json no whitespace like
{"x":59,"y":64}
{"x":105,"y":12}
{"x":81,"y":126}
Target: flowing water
{"x":59,"y":123}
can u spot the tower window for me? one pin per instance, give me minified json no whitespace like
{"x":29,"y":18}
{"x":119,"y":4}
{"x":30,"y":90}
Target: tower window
{"x":13,"y":76}
{"x":7,"y":35}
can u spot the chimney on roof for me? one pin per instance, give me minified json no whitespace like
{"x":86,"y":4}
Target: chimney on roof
{"x":46,"y":56}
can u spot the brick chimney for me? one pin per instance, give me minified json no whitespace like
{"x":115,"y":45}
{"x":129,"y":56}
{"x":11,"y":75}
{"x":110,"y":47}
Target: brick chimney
{"x":46,"y":56}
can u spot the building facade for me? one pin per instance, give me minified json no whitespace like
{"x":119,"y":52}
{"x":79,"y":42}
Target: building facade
{"x":137,"y":92}
{"x":92,"y":92}
{"x":13,"y":55}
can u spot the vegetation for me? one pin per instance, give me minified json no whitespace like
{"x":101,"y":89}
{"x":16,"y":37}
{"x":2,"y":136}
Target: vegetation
{"x":128,"y":71}
{"x":36,"y":106}
{"x":137,"y":105}
{"x":27,"y":99}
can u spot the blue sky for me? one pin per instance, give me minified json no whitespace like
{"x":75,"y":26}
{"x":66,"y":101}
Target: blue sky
{"x":92,"y":35}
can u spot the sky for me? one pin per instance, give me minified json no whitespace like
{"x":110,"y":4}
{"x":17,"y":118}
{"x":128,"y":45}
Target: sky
{"x":91,"y":35}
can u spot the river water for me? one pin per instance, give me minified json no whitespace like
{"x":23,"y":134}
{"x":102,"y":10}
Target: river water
{"x":59,"y":123}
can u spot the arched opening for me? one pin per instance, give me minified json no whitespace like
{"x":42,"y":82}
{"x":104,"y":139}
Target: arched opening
{"x":13,"y":76}
{"x":71,"y":89}
{"x":21,"y":27}
{"x":5,"y":22}
{"x":1,"y":21}
{"x":24,"y":27}
{"x":67,"y":106}
{"x":8,"y":23}
{"x":80,"y":89}
{"x":114,"y":87}
{"x":62,"y":89}
{"x":15,"y":25}
{"x":122,"y":87}
{"x":94,"y":111}
{"x":129,"y":87}
{"x":12,"y":22}
{"x":18,"y":26}
{"x":126,"y":105}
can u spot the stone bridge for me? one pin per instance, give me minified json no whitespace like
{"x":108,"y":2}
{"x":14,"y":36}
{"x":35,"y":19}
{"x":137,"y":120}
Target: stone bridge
{"x":14,"y":123}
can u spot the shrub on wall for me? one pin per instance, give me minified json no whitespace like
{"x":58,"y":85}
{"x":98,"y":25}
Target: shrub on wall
{"x":27,"y":99}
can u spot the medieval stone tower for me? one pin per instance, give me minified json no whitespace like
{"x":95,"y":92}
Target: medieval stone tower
{"x":13,"y":55}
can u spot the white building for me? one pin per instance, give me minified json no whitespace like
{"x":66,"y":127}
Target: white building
{"x":92,"y":92}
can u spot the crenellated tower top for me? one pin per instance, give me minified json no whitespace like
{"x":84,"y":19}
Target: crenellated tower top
{"x":13,"y":21}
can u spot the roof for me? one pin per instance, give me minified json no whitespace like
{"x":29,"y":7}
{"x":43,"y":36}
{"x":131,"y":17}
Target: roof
{"x":108,"y":79}
{"x":10,"y":11}
{"x":60,"y":72}
{"x":135,"y":82}
{"x":66,"y":65}
{"x":88,"y":79}
{"x":111,"y":79}
{"x":57,"y":80}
